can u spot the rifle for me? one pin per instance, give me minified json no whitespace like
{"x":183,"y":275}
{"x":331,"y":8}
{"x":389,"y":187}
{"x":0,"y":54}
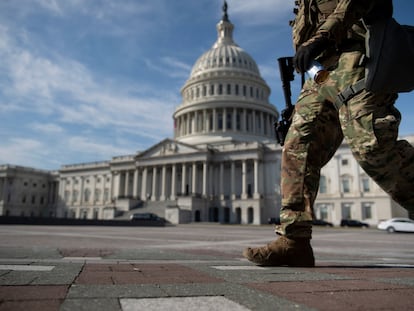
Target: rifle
{"x":286,"y":75}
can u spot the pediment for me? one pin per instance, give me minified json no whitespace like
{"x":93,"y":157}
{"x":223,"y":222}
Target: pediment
{"x":168,"y":147}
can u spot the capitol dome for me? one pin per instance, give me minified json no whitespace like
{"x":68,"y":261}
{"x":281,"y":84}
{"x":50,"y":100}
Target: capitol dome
{"x":225,"y":98}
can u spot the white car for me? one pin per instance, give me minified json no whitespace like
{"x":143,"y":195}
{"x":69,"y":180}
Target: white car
{"x":397,"y":225}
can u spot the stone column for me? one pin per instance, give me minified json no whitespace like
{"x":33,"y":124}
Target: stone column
{"x":254,"y":125}
{"x":262,"y":122}
{"x":208,"y":121}
{"x":224,"y":119}
{"x":244,"y":180}
{"x":183,"y":179}
{"x":3,"y":189}
{"x":214,"y":120}
{"x":126,"y":184}
{"x":205,"y":168}
{"x":205,"y":129}
{"x":234,"y":117}
{"x":81,"y":190}
{"x":163,"y":182}
{"x":173,"y":181}
{"x":233,"y":180}
{"x":144,"y":184}
{"x":135,"y":184}
{"x":244,"y":121}
{"x":256,"y":193}
{"x":221,"y":181}
{"x":194,"y":179}
{"x":154,"y":184}
{"x":93,"y":190}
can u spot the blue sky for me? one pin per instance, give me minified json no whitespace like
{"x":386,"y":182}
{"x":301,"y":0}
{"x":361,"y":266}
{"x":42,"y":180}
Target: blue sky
{"x":86,"y":80}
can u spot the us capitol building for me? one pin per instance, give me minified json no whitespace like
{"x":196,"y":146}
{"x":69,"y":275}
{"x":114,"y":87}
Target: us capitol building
{"x":223,"y":164}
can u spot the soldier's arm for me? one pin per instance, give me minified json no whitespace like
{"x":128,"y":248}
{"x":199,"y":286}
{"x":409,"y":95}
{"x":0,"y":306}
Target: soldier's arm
{"x":346,"y":14}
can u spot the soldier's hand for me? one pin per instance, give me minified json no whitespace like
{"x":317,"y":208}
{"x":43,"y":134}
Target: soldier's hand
{"x":308,"y":51}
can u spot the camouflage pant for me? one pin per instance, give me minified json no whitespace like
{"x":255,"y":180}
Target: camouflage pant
{"x":369,"y":124}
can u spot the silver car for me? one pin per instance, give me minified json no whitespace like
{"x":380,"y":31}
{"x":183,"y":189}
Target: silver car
{"x":397,"y":225}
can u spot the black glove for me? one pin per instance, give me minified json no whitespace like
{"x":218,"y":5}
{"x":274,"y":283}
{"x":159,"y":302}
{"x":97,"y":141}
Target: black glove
{"x":308,"y":51}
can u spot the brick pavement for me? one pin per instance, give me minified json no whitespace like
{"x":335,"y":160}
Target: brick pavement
{"x":196,"y":279}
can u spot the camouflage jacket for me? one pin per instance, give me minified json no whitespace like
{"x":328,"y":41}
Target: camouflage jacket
{"x":340,"y":20}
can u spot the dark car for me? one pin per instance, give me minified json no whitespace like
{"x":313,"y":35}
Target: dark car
{"x":321,"y":222}
{"x":353,"y":223}
{"x":145,"y":216}
{"x":274,"y":221}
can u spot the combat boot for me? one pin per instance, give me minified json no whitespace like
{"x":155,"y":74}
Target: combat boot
{"x":282,"y":252}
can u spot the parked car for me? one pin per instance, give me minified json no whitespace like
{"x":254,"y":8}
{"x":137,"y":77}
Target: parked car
{"x":353,"y":223}
{"x":397,"y":225}
{"x":273,"y":221}
{"x":321,"y":222}
{"x":144,"y":216}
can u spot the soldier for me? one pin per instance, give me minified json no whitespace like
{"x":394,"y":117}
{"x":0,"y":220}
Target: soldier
{"x":332,"y":32}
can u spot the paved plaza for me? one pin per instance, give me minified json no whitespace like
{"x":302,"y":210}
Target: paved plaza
{"x":198,"y":267}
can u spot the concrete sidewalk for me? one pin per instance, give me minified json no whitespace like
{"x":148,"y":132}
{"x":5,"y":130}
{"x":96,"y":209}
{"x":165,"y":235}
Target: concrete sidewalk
{"x":150,"y":279}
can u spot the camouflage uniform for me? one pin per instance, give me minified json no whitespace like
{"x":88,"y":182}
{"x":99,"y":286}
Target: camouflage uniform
{"x":368,"y":122}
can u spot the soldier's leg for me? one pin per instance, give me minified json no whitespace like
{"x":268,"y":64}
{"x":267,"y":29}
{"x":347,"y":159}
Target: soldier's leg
{"x":370,"y":124}
{"x":313,"y":138}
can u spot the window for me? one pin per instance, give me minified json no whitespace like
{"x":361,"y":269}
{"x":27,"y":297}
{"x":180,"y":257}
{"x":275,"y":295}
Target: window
{"x":220,"y":89}
{"x":322,"y":184}
{"x":236,"y":90}
{"x":75,"y":195}
{"x":322,"y":211}
{"x":366,"y":210}
{"x":228,"y":89}
{"x":106,"y":195}
{"x":220,"y":120}
{"x":344,"y":162}
{"x":67,"y":196}
{"x":365,"y":185}
{"x":97,"y":195}
{"x":346,"y":211}
{"x":228,"y":121}
{"x":238,"y":125}
{"x":346,"y":185}
{"x":87,"y":195}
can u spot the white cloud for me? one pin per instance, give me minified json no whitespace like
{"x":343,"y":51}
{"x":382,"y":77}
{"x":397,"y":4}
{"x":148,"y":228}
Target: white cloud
{"x":87,"y":145}
{"x":170,"y":67}
{"x":22,"y":151}
{"x":46,"y":128}
{"x":259,"y":12}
